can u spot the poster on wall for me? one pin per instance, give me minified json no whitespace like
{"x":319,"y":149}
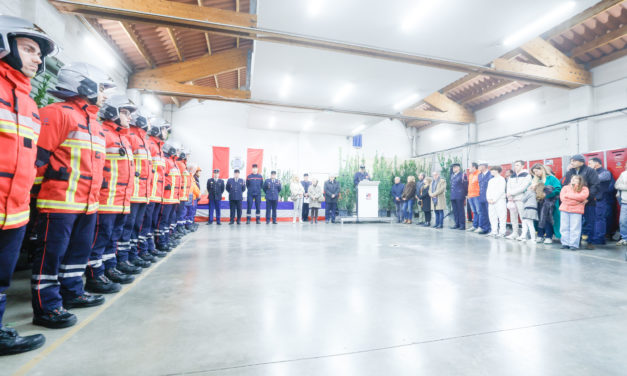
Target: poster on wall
{"x":254,"y":156}
{"x":221,"y":161}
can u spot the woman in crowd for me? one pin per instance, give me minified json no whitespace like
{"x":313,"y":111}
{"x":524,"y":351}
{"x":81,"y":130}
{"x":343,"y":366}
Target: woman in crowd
{"x":529,"y":214}
{"x":425,"y":200}
{"x":497,"y":210}
{"x":409,"y":192}
{"x":548,"y":207}
{"x":315,"y":199}
{"x":437,"y":191}
{"x":574,"y":197}
{"x":296,"y":195}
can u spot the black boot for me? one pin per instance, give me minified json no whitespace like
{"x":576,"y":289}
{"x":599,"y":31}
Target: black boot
{"x":258,"y":221}
{"x":148,"y":256}
{"x":11,"y":343}
{"x":84,"y":301}
{"x":140,"y":262}
{"x":102,"y":285}
{"x":127,"y":268}
{"x":119,"y":277}
{"x":57,"y":319}
{"x":158,"y":254}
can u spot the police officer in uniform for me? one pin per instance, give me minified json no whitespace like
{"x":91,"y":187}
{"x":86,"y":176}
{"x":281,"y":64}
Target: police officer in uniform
{"x":23,"y":50}
{"x":254,"y":182}
{"x":236,"y":188}
{"x":215,"y":188}
{"x":271,"y":187}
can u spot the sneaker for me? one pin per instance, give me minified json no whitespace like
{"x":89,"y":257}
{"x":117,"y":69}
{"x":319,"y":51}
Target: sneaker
{"x":477,"y":230}
{"x":621,"y":242}
{"x":117,"y":276}
{"x":501,"y":236}
{"x":11,"y":343}
{"x":471,"y":229}
{"x":520,"y":238}
{"x":102,"y":285}
{"x":127,"y":268}
{"x":548,"y":241}
{"x":539,"y":240}
{"x":513,"y":236}
{"x":492,"y":234}
{"x":56,"y":319}
{"x":84,"y":301}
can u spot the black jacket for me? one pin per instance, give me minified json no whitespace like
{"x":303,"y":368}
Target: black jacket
{"x":423,"y":195}
{"x":215,"y":188}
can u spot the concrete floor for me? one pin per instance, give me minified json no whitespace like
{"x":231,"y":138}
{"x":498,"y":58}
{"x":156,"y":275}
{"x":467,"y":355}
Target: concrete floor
{"x":367,"y":299}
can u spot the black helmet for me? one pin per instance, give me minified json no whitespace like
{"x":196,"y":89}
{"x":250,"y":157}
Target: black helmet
{"x":14,"y":27}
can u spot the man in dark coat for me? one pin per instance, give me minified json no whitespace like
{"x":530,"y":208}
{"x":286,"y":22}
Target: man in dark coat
{"x":215,"y":188}
{"x":459,"y":190}
{"x":590,"y":176}
{"x":254,"y":182}
{"x":331,"y":193}
{"x":236,"y":188}
{"x":272,"y":187}
{"x":396,"y":192}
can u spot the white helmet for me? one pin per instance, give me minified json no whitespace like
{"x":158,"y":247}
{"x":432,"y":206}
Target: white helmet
{"x":110,"y":110}
{"x":81,"y":79}
{"x":164,"y":128}
{"x":169,"y":149}
{"x":139,"y":119}
{"x":13,"y":27}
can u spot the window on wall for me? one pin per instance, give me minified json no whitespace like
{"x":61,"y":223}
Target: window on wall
{"x":46,"y":81}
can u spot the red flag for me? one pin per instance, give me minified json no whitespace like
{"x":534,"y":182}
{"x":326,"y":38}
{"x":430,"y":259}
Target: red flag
{"x":221,"y":161}
{"x":254,"y":156}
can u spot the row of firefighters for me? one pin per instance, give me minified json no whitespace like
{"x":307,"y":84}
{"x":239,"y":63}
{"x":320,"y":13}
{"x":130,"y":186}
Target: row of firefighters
{"x":91,"y":178}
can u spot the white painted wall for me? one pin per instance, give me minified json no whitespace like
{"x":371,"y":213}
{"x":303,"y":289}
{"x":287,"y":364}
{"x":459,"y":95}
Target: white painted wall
{"x":199,"y":126}
{"x":70,"y":34}
{"x":608,"y":92}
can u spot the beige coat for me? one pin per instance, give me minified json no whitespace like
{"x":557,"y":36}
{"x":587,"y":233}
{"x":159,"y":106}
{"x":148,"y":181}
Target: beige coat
{"x":315,"y":196}
{"x":440,"y":193}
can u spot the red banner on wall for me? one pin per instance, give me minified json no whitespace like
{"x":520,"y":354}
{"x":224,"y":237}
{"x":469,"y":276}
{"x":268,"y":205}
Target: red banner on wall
{"x":254,"y":156}
{"x":221,"y":161}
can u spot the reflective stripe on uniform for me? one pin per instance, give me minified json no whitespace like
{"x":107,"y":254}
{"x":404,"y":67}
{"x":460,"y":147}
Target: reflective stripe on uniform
{"x":14,"y":218}
{"x":41,"y":286}
{"x":64,"y":205}
{"x":108,"y":256}
{"x":71,"y":274}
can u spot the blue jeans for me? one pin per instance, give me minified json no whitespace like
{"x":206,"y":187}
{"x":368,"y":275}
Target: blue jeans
{"x":439,"y":218}
{"x":588,"y":221}
{"x":399,"y":210}
{"x":408,"y":209}
{"x":474,"y":206}
{"x":570,"y":227}
{"x":622,"y":222}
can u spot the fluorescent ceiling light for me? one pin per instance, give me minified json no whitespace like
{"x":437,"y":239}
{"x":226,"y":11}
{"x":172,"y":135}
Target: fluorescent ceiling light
{"x":358,"y":129}
{"x":102,"y":53}
{"x":285,"y":86}
{"x":418,"y":14}
{"x":343,"y":92}
{"x":408,"y":101}
{"x":518,"y":110}
{"x":314,"y":7}
{"x":541,"y":24}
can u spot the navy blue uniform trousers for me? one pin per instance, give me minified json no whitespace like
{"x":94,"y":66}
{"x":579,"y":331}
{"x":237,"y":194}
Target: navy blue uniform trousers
{"x":65,"y":242}
{"x":214,"y":205}
{"x":109,"y":229}
{"x":10,"y":244}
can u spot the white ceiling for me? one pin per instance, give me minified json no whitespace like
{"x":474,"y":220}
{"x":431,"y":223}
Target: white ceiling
{"x":470,"y":31}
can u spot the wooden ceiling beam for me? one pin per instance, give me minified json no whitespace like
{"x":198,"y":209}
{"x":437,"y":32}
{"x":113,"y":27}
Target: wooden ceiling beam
{"x":197,"y":68}
{"x":600,"y":41}
{"x":137,"y":44}
{"x":237,"y":10}
{"x":206,"y":34}
{"x":175,"y":43}
{"x":607,"y":58}
{"x":582,"y":17}
{"x":179,"y":15}
{"x":163,"y":86}
{"x":448,"y":110}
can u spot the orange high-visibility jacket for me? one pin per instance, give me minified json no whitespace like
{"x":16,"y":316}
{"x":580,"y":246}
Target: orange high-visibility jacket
{"x":119,"y":171}
{"x":158,"y":169}
{"x":172,"y":182}
{"x":473,"y":184}
{"x":71,"y":181}
{"x":142,"y":184}
{"x":19,"y":130}
{"x":185,"y":184}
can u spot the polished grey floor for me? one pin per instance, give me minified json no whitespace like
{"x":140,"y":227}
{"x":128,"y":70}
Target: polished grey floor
{"x":353,"y":299}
